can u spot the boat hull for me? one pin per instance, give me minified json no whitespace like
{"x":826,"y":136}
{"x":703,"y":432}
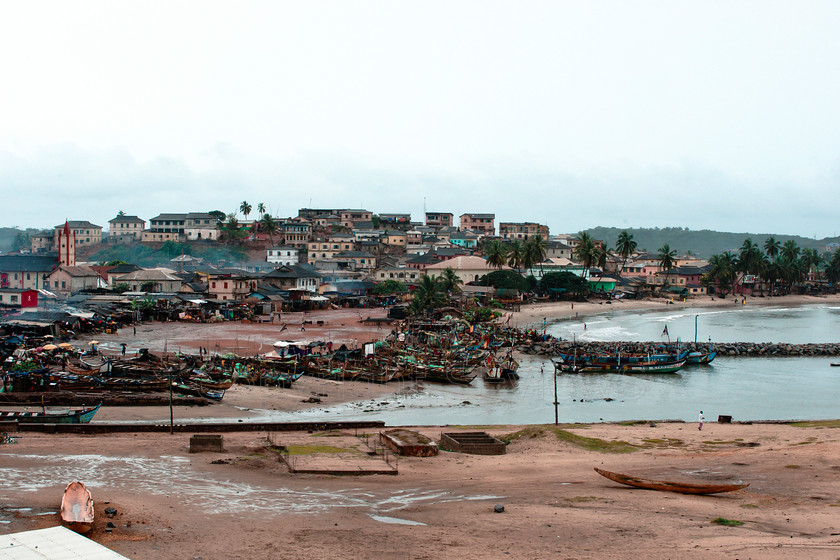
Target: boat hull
{"x":77,"y":508}
{"x":666,"y":486}
{"x":82,"y":416}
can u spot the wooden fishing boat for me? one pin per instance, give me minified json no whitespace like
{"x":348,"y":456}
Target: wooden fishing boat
{"x":666,"y":486}
{"x":77,"y":508}
{"x":632,"y":367}
{"x":198,"y":391}
{"x":81,"y":416}
{"x":700,"y":357}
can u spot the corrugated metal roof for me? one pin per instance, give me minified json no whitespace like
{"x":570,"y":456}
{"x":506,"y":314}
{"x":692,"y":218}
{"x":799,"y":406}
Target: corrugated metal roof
{"x":53,"y":543}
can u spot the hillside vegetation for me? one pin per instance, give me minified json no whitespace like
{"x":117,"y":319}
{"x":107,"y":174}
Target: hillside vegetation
{"x":701,"y":243}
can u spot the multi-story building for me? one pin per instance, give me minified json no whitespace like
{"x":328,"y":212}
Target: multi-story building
{"x":484,"y":223}
{"x":294,"y":233}
{"x":126,"y":227}
{"x":522,"y":230}
{"x":229,"y":286}
{"x":285,"y":256}
{"x":200,"y":226}
{"x":165,"y":227}
{"x":328,"y":248}
{"x":295,"y":277}
{"x":350,"y":217}
{"x":42,"y":242}
{"x":439,"y":219}
{"x":86,"y":233}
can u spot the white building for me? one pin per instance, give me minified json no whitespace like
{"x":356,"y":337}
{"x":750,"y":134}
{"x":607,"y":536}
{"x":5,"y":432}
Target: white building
{"x":285,"y":256}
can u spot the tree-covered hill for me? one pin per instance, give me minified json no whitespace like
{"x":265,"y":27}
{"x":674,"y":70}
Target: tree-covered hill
{"x":701,"y":243}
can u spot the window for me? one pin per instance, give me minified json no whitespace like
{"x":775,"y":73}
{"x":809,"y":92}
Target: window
{"x":27,"y":276}
{"x":226,"y":285}
{"x":13,"y":299}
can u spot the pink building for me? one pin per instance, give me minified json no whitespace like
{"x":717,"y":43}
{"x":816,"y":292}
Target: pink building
{"x":484,"y":223}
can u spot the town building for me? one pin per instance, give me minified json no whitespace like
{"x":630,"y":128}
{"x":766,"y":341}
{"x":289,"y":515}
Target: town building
{"x":286,"y":256}
{"x":328,"y":248}
{"x":521,"y":231}
{"x":350,"y":217}
{"x":407,"y":275}
{"x":26,"y":271}
{"x":293,"y":232}
{"x":17,"y":298}
{"x":126,"y":228}
{"x":150,"y":280}
{"x":69,"y":280}
{"x":299,"y":277}
{"x":393,"y":220}
{"x":86,"y":233}
{"x":65,"y":240}
{"x":226,"y":286}
{"x":440,"y":219}
{"x":484,"y":223}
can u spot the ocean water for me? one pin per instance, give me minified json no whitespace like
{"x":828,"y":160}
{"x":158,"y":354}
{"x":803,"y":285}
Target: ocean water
{"x":744,"y":388}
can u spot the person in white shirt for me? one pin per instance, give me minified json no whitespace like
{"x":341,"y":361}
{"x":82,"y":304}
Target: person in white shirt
{"x":700,"y":426}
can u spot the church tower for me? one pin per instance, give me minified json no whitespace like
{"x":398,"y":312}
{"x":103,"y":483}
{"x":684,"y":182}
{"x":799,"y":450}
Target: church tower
{"x":66,"y":245}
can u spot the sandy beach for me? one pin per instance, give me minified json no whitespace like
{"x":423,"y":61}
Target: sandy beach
{"x":243,"y":503}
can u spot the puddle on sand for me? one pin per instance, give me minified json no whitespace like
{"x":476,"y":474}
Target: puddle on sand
{"x":171,"y":475}
{"x":396,"y":520}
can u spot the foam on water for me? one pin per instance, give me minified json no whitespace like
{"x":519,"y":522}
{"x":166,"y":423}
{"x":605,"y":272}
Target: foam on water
{"x":214,"y":495}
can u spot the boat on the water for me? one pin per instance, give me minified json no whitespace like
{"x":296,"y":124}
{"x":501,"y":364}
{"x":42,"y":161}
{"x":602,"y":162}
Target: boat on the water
{"x":667,"y":486}
{"x":654,"y":366}
{"x":700,"y":357}
{"x":80,"y":416}
{"x":77,"y":508}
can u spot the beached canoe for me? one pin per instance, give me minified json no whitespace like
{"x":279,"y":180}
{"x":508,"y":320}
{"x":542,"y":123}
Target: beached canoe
{"x":80,"y":416}
{"x":77,"y":508}
{"x":663,"y":485}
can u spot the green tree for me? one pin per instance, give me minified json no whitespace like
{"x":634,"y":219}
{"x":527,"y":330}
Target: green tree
{"x":584,"y":252}
{"x":496,"y":254}
{"x":832,"y":270}
{"x":268,"y":225}
{"x":667,"y":260}
{"x":722,"y":273}
{"x":535,"y":251}
{"x":120,"y":213}
{"x":449,"y":281}
{"x":790,"y":250}
{"x":626,"y":246}
{"x":749,"y":257}
{"x":505,"y":280}
{"x":514,"y":254}
{"x":260,"y":208}
{"x":772,"y":247}
{"x":245,"y":208}
{"x":219,"y":216}
{"x":121,"y":287}
{"x":376,"y":220}
{"x":230,"y":230}
{"x":427,"y":296}
{"x":558,"y":282}
{"x":389,"y":287}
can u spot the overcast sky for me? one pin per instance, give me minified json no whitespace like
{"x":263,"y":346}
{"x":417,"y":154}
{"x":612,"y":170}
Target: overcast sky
{"x":720,"y":115}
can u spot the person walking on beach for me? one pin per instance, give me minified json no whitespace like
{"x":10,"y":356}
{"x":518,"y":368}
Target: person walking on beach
{"x":700,"y":425}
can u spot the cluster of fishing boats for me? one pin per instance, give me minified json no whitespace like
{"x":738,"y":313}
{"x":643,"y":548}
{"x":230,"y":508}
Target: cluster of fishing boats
{"x":667,"y":360}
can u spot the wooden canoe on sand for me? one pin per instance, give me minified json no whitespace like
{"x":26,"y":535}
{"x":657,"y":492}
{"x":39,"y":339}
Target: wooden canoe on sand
{"x":681,"y":487}
{"x":77,"y":508}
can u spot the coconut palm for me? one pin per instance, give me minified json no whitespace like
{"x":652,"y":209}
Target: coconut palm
{"x":667,"y":259}
{"x":535,"y":250}
{"x":790,"y":250}
{"x":261,"y":208}
{"x":748,"y":257}
{"x":245,"y":208}
{"x":772,"y":247}
{"x":626,"y":246}
{"x":832,"y":269}
{"x":427,"y":295}
{"x":496,"y":254}
{"x":722,"y":272}
{"x":514,"y":253}
{"x":811,"y":260}
{"x":267,"y":225}
{"x":585,"y":251}
{"x":449,"y":280}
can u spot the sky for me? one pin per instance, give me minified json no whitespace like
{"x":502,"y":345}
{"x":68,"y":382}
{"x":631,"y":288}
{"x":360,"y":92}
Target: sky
{"x":708,"y":115}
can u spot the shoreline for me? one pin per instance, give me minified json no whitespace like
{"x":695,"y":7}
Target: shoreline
{"x":531,"y":316}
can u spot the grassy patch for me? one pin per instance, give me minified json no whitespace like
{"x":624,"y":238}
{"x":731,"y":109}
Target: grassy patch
{"x":313,"y":449}
{"x":816,"y":424}
{"x":633,"y":422}
{"x":721,"y":442}
{"x":749,"y":506}
{"x":664,"y":442}
{"x":793,"y":467}
{"x":807,"y":441}
{"x":727,"y":522}
{"x":582,"y":499}
{"x":590,"y":444}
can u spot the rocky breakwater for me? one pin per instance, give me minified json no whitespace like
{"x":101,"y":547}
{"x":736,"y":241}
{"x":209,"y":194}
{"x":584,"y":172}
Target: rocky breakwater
{"x":743,"y":349}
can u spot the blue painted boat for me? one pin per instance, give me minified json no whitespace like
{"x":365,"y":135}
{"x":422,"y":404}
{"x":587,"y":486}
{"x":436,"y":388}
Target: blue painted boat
{"x":81,"y":416}
{"x":700,"y":357}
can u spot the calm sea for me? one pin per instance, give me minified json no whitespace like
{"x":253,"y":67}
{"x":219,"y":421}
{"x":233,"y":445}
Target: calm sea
{"x":744,"y":388}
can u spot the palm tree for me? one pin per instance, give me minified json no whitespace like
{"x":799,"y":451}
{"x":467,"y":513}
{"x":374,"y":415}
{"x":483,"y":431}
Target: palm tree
{"x":585,"y":251}
{"x":667,"y":259}
{"x":790,"y":250}
{"x":245,"y":208}
{"x":496,"y":254}
{"x":772,"y":247}
{"x":267,"y":225}
{"x":449,"y":281}
{"x":515,"y":255}
{"x":601,"y":255}
{"x":230,"y":229}
{"x":749,"y":256}
{"x":626,"y":246}
{"x":832,"y":270}
{"x":427,"y":295}
{"x":260,"y":208}
{"x":535,"y":250}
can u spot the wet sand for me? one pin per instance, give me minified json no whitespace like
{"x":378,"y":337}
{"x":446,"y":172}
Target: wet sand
{"x":243,"y":503}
